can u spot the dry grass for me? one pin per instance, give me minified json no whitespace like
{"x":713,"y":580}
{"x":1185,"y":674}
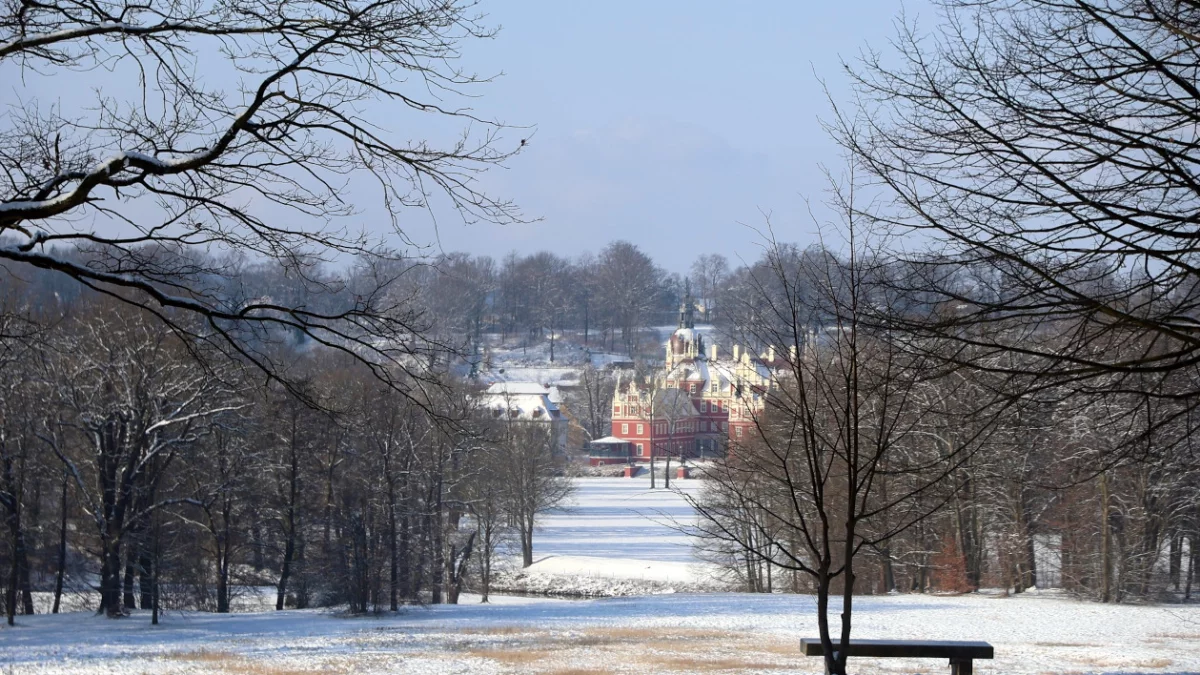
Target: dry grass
{"x":1102,"y":662}
{"x":698,"y":664}
{"x":234,"y":664}
{"x":1066,"y":644}
{"x":691,"y":650}
{"x":1178,"y":636}
{"x":790,"y":649}
{"x":643,"y":634}
{"x":202,"y":656}
{"x":500,"y":630}
{"x":513,"y":657}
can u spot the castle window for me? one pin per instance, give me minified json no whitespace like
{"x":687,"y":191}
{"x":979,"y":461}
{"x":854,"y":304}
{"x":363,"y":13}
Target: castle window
{"x":640,"y":451}
{"x":624,"y":428}
{"x":639,"y":430}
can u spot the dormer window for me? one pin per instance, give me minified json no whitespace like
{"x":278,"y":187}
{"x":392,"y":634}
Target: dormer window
{"x":537,"y":413}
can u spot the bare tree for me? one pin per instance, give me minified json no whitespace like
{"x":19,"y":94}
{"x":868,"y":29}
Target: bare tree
{"x":628,"y":283}
{"x":1050,"y":150}
{"x":131,"y":402}
{"x":238,"y":126}
{"x":839,"y":458}
{"x":708,"y":273}
{"x":532,"y":479}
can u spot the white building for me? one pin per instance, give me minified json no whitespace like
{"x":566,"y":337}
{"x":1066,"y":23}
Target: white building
{"x":528,"y":402}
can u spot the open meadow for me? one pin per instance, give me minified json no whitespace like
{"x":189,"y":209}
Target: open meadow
{"x":617,"y":530}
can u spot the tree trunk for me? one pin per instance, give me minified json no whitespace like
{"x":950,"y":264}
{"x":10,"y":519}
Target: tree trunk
{"x":155,"y":565}
{"x":458,"y":573}
{"x":1176,"y":560}
{"x":223,"y":580}
{"x":1105,"y":543}
{"x":110,"y":577}
{"x":526,"y":542}
{"x":485,"y":573}
{"x":145,"y":585}
{"x":889,"y":572}
{"x":131,"y":552}
{"x":437,"y":570}
{"x":18,"y":588}
{"x":289,"y":527}
{"x":406,"y":585}
{"x":60,"y":572}
{"x":393,"y":550}
{"x":1193,"y":557}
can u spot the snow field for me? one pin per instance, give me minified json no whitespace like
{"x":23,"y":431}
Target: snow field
{"x":721,"y":632}
{"x":616,"y":532}
{"x":620,"y":529}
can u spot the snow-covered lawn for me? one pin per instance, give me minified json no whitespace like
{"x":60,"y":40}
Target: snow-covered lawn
{"x":618,"y":528}
{"x":616,"y":531}
{"x":729,"y":633}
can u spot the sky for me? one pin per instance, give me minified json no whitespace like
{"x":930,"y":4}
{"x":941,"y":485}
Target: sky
{"x":675,"y":125}
{"x":678,"y":125}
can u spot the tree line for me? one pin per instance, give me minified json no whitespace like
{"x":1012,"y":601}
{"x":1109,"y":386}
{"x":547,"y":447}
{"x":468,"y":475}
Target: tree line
{"x":956,"y":475}
{"x":143,"y":470}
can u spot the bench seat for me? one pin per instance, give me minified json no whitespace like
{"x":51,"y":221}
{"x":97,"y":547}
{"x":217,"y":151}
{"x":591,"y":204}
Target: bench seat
{"x":960,"y":654}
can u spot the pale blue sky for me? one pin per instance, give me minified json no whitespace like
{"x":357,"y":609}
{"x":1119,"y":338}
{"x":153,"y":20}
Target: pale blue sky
{"x":667,"y":122}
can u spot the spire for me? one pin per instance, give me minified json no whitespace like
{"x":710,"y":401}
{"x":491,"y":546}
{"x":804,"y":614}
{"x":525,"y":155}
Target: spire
{"x":687,"y":308}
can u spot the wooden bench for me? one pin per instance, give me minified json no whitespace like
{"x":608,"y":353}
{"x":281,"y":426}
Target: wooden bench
{"x":961,"y":654}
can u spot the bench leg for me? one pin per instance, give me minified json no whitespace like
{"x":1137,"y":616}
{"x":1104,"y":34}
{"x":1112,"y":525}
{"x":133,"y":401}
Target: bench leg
{"x":961,"y":667}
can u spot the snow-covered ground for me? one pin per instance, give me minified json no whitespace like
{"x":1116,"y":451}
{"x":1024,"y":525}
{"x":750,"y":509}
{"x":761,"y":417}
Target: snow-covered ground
{"x":729,"y":633}
{"x":620,"y":528}
{"x":616,"y":531}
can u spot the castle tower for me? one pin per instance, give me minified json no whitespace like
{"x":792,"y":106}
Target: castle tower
{"x":685,"y":344}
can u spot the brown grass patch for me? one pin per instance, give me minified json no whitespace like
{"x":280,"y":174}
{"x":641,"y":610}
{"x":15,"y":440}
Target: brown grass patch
{"x":780,"y":648}
{"x":1178,"y":636}
{"x":1103,"y":662}
{"x":202,"y":656}
{"x":235,"y":664}
{"x":501,"y":630}
{"x":512,"y":657}
{"x":695,"y":664}
{"x":1066,"y":644}
{"x":639,"y":634}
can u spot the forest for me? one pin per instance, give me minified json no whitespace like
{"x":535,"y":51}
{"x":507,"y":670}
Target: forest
{"x":139,"y":460}
{"x":230,"y":360}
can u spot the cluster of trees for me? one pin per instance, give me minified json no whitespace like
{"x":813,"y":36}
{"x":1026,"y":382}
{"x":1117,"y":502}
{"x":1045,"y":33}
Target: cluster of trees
{"x":974,"y":470}
{"x":137,"y":463}
{"x":892,"y":460}
{"x":1046,"y":153}
{"x":608,"y":298}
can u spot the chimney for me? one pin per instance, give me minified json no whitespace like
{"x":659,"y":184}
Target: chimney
{"x":712,"y":352}
{"x":792,"y":353}
{"x":737,"y":352}
{"x":771,"y":354}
